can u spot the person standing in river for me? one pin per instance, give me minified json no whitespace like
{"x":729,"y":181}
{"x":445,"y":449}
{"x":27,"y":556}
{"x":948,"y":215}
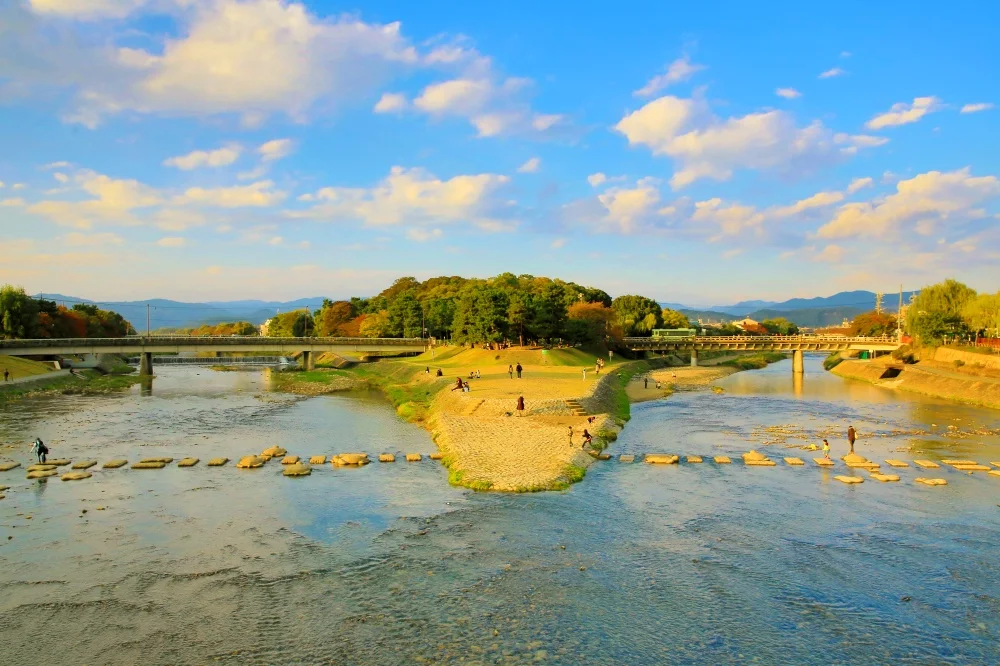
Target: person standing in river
{"x":852,"y":435}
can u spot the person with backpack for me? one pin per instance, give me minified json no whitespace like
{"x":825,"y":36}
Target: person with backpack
{"x":39,"y":450}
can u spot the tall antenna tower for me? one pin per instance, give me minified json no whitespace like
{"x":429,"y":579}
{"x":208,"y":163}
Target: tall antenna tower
{"x":878,"y":302}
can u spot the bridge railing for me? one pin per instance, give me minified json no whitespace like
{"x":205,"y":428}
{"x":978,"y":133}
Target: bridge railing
{"x":186,"y":340}
{"x":763,"y":339}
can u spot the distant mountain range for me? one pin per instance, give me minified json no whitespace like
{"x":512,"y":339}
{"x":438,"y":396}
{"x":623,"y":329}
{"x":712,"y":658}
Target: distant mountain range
{"x":165,"y":313}
{"x":811,"y":312}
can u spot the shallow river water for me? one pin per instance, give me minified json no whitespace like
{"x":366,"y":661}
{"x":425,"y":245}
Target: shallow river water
{"x":388,"y":564}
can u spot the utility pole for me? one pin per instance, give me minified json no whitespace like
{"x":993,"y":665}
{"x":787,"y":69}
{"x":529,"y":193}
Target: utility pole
{"x":899,"y":315}
{"x":147,"y":320}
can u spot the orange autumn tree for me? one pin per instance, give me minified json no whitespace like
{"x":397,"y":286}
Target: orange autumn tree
{"x":590,"y":321}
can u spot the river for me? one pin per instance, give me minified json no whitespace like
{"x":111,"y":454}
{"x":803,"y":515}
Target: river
{"x":388,"y":564}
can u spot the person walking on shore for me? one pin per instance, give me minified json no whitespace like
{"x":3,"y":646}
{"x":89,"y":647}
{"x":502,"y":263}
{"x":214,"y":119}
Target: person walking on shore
{"x":645,"y":382}
{"x":6,"y":374}
{"x":852,"y":435}
{"x":571,"y":435}
{"x":518,"y":368}
{"x":510,"y":371}
{"x":520,"y":405}
{"x":584,"y":374}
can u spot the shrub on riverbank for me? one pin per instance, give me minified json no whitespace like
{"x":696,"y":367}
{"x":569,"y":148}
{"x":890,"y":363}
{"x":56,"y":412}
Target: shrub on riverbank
{"x":754,"y":361}
{"x":831,"y":361}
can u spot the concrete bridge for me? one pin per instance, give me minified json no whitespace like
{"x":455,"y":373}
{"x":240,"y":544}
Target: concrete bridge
{"x":796,"y":344}
{"x":145,"y":347}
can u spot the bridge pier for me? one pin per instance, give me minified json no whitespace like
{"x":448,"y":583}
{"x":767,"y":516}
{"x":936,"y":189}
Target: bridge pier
{"x":308,"y":361}
{"x":694,"y":358}
{"x":798,"y":362}
{"x":146,"y":363}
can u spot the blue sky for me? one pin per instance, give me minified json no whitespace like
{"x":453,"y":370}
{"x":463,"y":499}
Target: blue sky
{"x":211,"y":149}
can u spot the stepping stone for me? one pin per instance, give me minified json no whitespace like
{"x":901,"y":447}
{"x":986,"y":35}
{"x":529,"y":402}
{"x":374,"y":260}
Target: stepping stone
{"x":972,"y":468}
{"x":165,"y":461}
{"x":76,"y":476}
{"x":7,"y":466}
{"x":3,"y":488}
{"x":824,"y":462}
{"x":926,"y":464}
{"x":629,"y":458}
{"x":722,"y":460}
{"x":250,"y":462}
{"x":84,"y":464}
{"x":317,"y":460}
{"x":864,"y":465}
{"x":386,"y":457}
{"x":931,"y":482}
{"x":885,"y":477}
{"x":661,"y":459}
{"x":346,"y":459}
{"x":759,"y":463}
{"x":40,"y":467}
{"x":994,"y":472}
{"x":753,"y":456}
{"x":414,"y":457}
{"x":58,"y":462}
{"x":694,"y":459}
{"x":897,"y":463}
{"x":795,"y":462}
{"x":273,"y":452}
{"x":187,"y":462}
{"x":604,"y":456}
{"x":115,"y":464}
{"x":849,"y":479}
{"x":149,"y":464}
{"x":41,"y":474}
{"x":297,"y":469}
{"x":289,"y":460}
{"x":995,"y":464}
{"x":217,"y":462}
{"x":959,"y":462}
{"x":437,"y":455}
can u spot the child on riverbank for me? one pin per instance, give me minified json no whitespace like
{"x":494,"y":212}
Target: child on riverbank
{"x":826,"y":449}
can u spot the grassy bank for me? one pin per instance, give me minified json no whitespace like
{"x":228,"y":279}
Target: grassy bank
{"x":22,"y":367}
{"x":754,"y":361}
{"x":85,"y":382}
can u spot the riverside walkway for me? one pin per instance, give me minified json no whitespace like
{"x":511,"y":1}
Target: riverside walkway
{"x":146,"y":346}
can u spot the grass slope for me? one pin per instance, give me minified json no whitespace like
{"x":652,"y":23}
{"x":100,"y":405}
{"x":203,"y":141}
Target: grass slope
{"x":22,"y":367}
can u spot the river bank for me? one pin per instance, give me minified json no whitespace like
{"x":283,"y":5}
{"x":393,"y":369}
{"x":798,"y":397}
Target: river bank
{"x":930,"y":377}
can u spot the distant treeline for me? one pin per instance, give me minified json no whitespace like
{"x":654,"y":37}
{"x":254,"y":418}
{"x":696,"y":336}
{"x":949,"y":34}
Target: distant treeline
{"x":22,"y":316}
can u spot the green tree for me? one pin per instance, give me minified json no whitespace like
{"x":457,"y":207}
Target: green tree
{"x":983,"y":314}
{"x":871,"y":323}
{"x":303,"y":326}
{"x":550,"y":312}
{"x":937,"y":310}
{"x":520,"y":311}
{"x":636,"y":315}
{"x":405,"y":316}
{"x":375,"y":325}
{"x":439,"y":315}
{"x":674,"y":319}
{"x":18,"y":313}
{"x":779,"y":326}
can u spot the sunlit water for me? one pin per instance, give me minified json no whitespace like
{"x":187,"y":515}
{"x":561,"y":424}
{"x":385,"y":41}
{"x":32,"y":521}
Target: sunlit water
{"x":387,"y":564}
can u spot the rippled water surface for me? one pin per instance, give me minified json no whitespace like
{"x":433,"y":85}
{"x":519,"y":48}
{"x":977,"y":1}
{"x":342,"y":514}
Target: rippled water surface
{"x":387,"y":564}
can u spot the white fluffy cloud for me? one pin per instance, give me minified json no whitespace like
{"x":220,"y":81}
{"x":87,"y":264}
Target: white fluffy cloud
{"x":627,"y":207}
{"x":113,"y":201}
{"x":704,"y":146}
{"x":833,"y":254}
{"x":902,"y":113}
{"x":415,"y":197}
{"x":818,"y":200}
{"x":531,"y":166}
{"x":976,"y":108}
{"x":787,"y":93}
{"x":219,"y":157}
{"x":172,"y":241}
{"x":859,"y":183}
{"x":251,"y":58}
{"x":86,"y":10}
{"x":391,"y":102}
{"x":927,"y":199}
{"x":255,"y":195}
{"x":275,"y":149}
{"x":596,"y":179}
{"x":722,"y":219}
{"x":831,"y":73}
{"x":678,"y":71}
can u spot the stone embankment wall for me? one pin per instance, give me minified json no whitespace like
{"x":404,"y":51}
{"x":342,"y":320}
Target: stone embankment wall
{"x":932,"y":382}
{"x":972,"y":359}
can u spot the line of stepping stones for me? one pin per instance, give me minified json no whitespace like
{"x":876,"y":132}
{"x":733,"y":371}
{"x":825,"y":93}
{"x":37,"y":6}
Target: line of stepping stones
{"x":851,"y":460}
{"x":294,"y":465}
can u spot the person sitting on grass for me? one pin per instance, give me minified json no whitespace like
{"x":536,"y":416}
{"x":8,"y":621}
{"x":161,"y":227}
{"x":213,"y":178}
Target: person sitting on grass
{"x":458,"y":385}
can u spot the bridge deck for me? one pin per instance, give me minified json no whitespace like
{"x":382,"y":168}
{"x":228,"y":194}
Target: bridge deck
{"x":176,"y":344}
{"x":764,"y":343}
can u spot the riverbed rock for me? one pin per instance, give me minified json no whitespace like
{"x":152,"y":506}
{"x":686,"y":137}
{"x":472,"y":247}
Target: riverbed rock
{"x":58,"y":462}
{"x":386,"y":457}
{"x":76,"y":476}
{"x":289,"y":460}
{"x":187,"y":462}
{"x":926,"y":464}
{"x":931,"y":482}
{"x":250,"y":462}
{"x":149,"y":464}
{"x":414,"y":457}
{"x":317,"y":460}
{"x":897,"y":463}
{"x":84,"y":464}
{"x":165,"y":461}
{"x":7,"y":466}
{"x":41,"y":474}
{"x":753,"y":456}
{"x":297,"y":469}
{"x":273,"y":452}
{"x":694,"y":459}
{"x":40,"y":467}
{"x":217,"y":462}
{"x":661,"y":459}
{"x":849,"y":479}
{"x":722,"y":460}
{"x":115,"y":464}
{"x":794,"y":461}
